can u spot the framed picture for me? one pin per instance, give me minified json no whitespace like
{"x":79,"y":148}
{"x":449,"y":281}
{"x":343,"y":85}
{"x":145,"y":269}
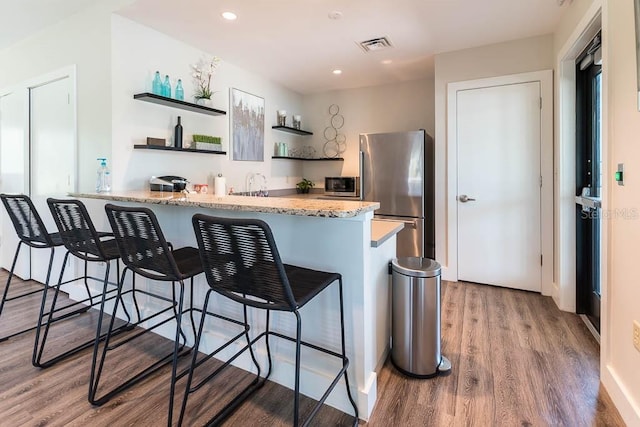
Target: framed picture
{"x":247,"y":126}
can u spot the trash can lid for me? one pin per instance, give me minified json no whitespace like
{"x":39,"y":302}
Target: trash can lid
{"x":416,"y":266}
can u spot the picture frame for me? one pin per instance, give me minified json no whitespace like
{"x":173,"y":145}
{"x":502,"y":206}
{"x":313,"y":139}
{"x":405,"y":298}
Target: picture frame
{"x":247,"y":126}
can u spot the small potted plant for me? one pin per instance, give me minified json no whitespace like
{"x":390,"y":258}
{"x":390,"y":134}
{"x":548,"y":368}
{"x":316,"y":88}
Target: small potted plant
{"x":304,"y":186}
{"x":206,"y":142}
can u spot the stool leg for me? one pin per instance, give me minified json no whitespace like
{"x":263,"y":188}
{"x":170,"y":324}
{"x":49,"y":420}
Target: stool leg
{"x":177,"y":311}
{"x":13,"y":266}
{"x":266,"y":340}
{"x":38,"y":346}
{"x":246,"y":334}
{"x":193,"y":322}
{"x":176,"y":351}
{"x":86,"y":283}
{"x":6,"y":288}
{"x":96,"y":373}
{"x":296,"y":401}
{"x":194,"y":359}
{"x":344,"y":353}
{"x":133,"y":295}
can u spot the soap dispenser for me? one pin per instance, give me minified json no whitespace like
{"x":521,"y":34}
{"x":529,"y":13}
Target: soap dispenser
{"x":103,"y":182}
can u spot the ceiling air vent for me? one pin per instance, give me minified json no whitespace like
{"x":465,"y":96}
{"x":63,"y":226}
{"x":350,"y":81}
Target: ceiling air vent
{"x":373,"y":45}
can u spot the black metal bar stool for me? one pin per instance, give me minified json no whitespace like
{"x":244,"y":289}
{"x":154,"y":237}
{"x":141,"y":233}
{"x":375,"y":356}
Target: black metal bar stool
{"x":81,"y":240}
{"x":241,"y":262}
{"x":31,"y":232}
{"x":145,"y":252}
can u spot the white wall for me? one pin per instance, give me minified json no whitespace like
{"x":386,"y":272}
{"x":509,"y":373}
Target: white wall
{"x":84,"y":40}
{"x":620,"y":361}
{"x":137,"y":52}
{"x":518,"y":56}
{"x":395,"y":107}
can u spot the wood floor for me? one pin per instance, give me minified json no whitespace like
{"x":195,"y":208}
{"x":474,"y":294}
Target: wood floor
{"x":517,"y":361}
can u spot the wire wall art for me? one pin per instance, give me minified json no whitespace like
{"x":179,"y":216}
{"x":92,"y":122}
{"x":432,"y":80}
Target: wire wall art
{"x":336,"y":142}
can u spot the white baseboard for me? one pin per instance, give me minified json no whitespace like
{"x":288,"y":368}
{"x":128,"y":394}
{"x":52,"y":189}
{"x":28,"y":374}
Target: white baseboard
{"x":628,"y":409}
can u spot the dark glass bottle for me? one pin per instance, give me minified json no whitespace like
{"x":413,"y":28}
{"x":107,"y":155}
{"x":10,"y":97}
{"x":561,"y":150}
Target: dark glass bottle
{"x":177,"y":135}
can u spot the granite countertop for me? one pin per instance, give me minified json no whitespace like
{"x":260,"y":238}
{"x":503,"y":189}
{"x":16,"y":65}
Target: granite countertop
{"x":277,"y":205}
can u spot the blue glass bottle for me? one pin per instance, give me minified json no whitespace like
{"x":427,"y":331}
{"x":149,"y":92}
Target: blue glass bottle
{"x":179,"y":91}
{"x":166,"y":87}
{"x":156,"y":86}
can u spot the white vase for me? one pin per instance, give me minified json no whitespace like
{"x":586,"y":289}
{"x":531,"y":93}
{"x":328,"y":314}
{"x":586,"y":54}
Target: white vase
{"x":205,"y":102}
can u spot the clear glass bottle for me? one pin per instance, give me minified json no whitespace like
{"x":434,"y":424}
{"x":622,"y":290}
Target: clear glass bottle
{"x":103,"y":182}
{"x":166,"y":87}
{"x":156,"y":85}
{"x":179,"y":91}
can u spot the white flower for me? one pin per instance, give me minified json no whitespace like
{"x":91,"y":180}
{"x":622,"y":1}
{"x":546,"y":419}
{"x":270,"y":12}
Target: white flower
{"x":203,"y":72}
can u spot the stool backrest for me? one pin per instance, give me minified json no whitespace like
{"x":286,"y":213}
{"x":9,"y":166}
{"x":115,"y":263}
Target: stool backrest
{"x":240,"y":259}
{"x":141,"y":243}
{"x":76,"y":229}
{"x":26,"y":221}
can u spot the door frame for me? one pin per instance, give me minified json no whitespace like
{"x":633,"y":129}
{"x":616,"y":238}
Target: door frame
{"x":545,"y":78}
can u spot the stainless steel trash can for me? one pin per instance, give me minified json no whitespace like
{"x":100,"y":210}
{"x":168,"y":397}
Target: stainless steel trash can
{"x":415,"y":313}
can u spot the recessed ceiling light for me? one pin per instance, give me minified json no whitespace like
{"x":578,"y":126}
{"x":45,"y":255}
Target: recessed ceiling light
{"x":387,"y":61}
{"x":229,"y":16}
{"x":336,"y":14}
{"x":336,"y":71}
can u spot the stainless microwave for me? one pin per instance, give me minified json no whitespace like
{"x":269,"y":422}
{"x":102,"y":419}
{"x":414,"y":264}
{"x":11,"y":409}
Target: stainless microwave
{"x":342,"y":186}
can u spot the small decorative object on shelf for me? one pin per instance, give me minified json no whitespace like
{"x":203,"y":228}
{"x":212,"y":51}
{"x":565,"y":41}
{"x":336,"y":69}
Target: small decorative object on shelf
{"x":179,"y":91}
{"x":166,"y":87}
{"x":177,"y":135}
{"x":304,"y":186}
{"x":206,"y":142}
{"x":296,"y":121}
{"x":336,"y":142}
{"x":203,"y":71}
{"x":161,"y":142}
{"x":156,"y":85}
{"x":282,"y":117}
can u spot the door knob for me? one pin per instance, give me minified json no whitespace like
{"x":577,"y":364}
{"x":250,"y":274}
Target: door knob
{"x":464,"y":198}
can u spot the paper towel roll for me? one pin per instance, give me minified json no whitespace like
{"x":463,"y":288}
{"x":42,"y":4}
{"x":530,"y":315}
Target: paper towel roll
{"x":220,"y":184}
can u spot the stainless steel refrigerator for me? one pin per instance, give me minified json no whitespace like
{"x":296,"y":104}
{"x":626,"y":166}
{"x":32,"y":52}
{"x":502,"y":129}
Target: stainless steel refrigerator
{"x":397,"y":170}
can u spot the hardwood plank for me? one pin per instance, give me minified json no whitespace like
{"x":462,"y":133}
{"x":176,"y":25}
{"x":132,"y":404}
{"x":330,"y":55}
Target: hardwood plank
{"x":517,"y":360}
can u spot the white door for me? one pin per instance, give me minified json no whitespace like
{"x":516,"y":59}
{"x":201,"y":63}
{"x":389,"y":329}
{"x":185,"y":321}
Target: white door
{"x":498,"y":140}
{"x":13,"y":174}
{"x":52,"y":165}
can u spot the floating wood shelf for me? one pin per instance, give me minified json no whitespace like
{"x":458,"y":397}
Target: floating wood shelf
{"x":175,"y":103}
{"x":292,"y":130}
{"x":323,"y":159}
{"x":164,"y":148}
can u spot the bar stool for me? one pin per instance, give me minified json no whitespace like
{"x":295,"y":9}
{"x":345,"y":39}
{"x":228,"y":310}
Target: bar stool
{"x":145,"y":252}
{"x":31,"y":232}
{"x":81,"y":240}
{"x":241,"y":262}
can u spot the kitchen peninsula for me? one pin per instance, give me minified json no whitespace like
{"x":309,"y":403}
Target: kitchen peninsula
{"x":330,"y":235}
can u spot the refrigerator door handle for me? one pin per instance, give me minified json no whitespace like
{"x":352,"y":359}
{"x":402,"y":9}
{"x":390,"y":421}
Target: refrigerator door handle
{"x":361,"y":172}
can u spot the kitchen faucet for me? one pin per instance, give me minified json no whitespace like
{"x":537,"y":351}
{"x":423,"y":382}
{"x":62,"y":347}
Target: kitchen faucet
{"x":249,"y":183}
{"x":263,"y":191}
